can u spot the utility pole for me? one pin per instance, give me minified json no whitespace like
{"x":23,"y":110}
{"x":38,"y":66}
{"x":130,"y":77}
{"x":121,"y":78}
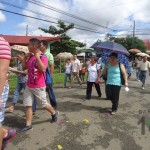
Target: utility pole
{"x":27,"y":30}
{"x":134,"y":28}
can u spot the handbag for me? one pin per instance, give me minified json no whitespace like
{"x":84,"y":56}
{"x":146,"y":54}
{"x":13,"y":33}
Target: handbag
{"x":121,"y":76}
{"x":104,"y":77}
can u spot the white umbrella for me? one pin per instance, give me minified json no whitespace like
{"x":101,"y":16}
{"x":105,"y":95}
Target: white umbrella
{"x":134,"y":51}
{"x":64,"y":55}
{"x":142,"y":54}
{"x":81,"y":54}
{"x":20,"y":48}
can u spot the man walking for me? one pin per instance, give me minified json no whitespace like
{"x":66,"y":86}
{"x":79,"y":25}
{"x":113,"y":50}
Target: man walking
{"x":75,"y":67}
{"x":144,"y":67}
{"x":36,"y":63}
{"x":50,"y":58}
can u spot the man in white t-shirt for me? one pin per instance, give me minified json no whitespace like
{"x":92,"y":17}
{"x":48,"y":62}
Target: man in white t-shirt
{"x":138,"y":61}
{"x":144,"y":67}
{"x":75,"y":67}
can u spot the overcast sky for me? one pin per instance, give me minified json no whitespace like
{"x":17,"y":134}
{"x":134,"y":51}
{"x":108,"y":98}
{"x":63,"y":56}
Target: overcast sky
{"x":114,"y":17}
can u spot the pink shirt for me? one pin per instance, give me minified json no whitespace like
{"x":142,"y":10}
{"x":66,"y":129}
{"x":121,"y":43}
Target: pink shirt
{"x":36,"y":77}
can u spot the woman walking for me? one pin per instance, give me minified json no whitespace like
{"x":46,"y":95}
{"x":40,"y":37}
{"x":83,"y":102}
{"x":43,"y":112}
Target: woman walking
{"x":67,"y":73}
{"x":93,"y":77}
{"x":115,"y":71}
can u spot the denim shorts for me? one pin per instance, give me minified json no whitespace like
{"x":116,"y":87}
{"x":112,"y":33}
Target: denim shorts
{"x":4,"y":100}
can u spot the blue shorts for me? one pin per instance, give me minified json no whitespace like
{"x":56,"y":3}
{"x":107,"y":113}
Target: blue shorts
{"x":4,"y":100}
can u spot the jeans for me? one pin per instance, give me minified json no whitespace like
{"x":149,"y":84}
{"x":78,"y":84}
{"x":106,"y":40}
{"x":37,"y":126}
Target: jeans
{"x":143,"y":77}
{"x":34,"y":105}
{"x":65,"y":78}
{"x":137,"y":73}
{"x":19,"y":87}
{"x":51,"y":95}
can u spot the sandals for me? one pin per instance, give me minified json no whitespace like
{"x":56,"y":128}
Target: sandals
{"x":9,"y":110}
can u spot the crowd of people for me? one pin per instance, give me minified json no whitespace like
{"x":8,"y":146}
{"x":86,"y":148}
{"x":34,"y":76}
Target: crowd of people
{"x":31,"y":78}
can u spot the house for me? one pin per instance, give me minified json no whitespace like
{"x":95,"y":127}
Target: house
{"x":15,"y":40}
{"x":147,"y":44}
{"x":23,"y":40}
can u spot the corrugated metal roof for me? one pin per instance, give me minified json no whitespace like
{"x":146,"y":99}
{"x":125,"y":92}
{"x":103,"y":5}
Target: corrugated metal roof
{"x":23,"y":40}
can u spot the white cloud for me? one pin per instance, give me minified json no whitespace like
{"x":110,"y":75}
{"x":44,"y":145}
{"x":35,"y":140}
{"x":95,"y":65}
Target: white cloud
{"x":2,"y":16}
{"x":111,"y":13}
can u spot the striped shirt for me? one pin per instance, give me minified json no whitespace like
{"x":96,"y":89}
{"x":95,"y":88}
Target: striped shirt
{"x":5,"y":50}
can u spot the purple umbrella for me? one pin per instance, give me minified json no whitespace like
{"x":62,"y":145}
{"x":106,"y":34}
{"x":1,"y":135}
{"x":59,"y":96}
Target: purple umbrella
{"x":110,"y":46}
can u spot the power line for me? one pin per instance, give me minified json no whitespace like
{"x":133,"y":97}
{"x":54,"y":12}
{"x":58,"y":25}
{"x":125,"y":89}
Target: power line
{"x":66,"y":13}
{"x":12,"y":5}
{"x":45,"y":20}
{"x":131,"y":34}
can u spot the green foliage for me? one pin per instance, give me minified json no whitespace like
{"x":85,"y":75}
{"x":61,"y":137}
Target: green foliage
{"x":130,"y":42}
{"x":12,"y":83}
{"x":65,"y":44}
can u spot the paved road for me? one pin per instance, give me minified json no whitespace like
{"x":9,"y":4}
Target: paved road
{"x":102,"y":132}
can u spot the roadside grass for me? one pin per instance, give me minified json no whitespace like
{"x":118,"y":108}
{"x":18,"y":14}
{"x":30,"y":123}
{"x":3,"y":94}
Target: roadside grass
{"x":57,"y":79}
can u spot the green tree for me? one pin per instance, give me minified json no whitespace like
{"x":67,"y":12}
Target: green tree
{"x":65,"y":44}
{"x":130,"y":42}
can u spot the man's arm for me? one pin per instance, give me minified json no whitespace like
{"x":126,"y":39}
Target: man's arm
{"x":24,"y":64}
{"x":78,"y":66}
{"x":51,"y":63}
{"x":41,"y":66}
{"x":51,"y":66}
{"x":149,"y":68}
{"x":3,"y":73}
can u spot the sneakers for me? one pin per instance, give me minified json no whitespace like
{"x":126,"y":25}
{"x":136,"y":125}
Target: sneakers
{"x":26,"y":128}
{"x":143,"y":86}
{"x":113,"y":112}
{"x":54,"y":117}
{"x":6,"y":140}
{"x":99,"y":95}
{"x":86,"y":99}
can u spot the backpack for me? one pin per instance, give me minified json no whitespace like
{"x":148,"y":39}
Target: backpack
{"x":47,"y":76}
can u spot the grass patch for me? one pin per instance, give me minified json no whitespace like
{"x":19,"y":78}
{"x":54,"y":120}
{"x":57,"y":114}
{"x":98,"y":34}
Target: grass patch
{"x":57,"y":79}
{"x":12,"y":83}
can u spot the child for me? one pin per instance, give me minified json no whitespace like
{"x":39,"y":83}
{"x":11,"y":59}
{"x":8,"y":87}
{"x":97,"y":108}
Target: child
{"x":83,"y":71}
